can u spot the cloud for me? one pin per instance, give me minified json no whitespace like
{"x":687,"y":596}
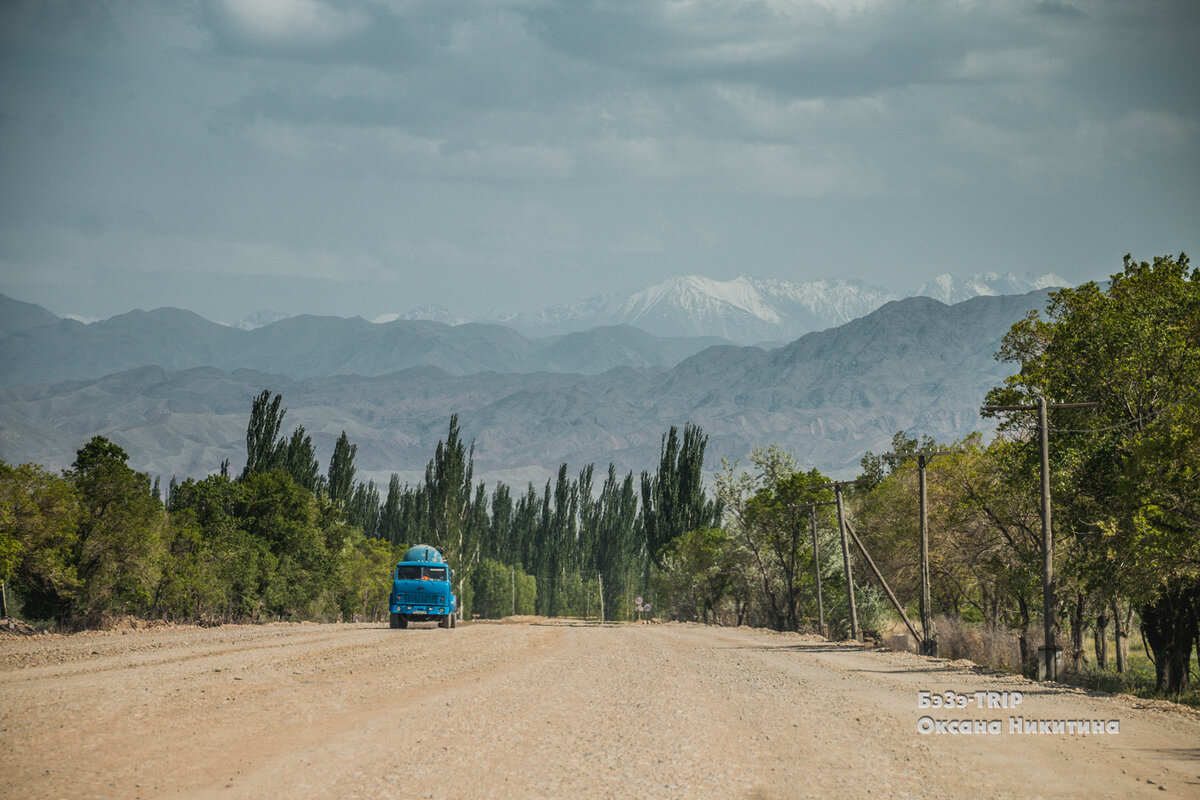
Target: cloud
{"x":291,"y":23}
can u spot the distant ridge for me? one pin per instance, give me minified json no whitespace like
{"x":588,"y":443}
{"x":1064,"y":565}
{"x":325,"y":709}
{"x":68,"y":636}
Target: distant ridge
{"x":914,"y":364}
{"x":17,"y":316}
{"x":311,"y":346}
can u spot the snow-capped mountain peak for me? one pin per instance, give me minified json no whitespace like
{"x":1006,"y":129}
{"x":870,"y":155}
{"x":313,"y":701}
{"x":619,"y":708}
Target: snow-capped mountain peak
{"x":744,"y":309}
{"x":950,"y":289}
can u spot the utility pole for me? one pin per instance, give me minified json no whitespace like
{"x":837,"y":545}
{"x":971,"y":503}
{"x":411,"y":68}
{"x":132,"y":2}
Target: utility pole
{"x":844,"y":525}
{"x":1049,"y":654}
{"x":812,"y":511}
{"x":929,"y":645}
{"x":837,"y":495}
{"x":841,"y":513}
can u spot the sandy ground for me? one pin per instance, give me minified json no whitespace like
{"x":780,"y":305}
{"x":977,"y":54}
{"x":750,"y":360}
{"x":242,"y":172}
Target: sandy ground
{"x":544,"y":710}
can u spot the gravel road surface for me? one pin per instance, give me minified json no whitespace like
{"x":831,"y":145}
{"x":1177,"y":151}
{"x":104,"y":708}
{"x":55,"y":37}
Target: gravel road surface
{"x":550,"y":710}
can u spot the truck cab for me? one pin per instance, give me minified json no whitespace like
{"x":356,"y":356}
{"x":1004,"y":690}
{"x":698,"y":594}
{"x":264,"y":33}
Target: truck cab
{"x":421,"y":589}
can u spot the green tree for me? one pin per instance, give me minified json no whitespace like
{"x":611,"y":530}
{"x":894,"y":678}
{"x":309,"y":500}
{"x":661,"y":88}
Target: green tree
{"x":286,"y":521}
{"x":118,"y":550}
{"x":38,"y":531}
{"x":703,"y":567}
{"x":340,"y":485}
{"x":448,"y":500}
{"x":391,"y":521}
{"x":264,"y":450}
{"x":300,"y":460}
{"x":1122,"y":478}
{"x":673,"y":499}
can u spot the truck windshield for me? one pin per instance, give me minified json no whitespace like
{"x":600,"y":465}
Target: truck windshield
{"x":411,"y":572}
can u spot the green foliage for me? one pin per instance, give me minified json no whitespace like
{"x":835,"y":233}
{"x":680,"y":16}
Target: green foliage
{"x":500,"y":590}
{"x":364,"y":578}
{"x":673,"y":499}
{"x":264,"y":452}
{"x":340,"y":485}
{"x":38,"y":531}
{"x":300,"y":460}
{"x":702,"y":566}
{"x":1124,"y":474}
{"x":118,"y":549}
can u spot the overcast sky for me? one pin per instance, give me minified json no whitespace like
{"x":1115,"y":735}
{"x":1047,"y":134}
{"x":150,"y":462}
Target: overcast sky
{"x":361,"y":157}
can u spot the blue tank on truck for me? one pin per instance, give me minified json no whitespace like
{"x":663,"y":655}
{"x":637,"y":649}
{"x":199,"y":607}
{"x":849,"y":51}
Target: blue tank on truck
{"x":421,"y":590}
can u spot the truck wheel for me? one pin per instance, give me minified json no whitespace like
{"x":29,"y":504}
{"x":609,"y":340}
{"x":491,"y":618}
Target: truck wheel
{"x":394,"y":621}
{"x":454,"y":620}
{"x":444,"y":622}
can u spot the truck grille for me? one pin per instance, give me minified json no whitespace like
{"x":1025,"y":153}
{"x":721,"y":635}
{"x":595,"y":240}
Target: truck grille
{"x":420,"y":599}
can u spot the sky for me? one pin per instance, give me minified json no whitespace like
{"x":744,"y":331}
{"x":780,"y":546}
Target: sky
{"x":365,"y":157}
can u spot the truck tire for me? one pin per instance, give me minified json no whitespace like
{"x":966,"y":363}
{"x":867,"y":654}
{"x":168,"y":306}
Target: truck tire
{"x":444,"y":622}
{"x":454,"y":620}
{"x":394,"y":621}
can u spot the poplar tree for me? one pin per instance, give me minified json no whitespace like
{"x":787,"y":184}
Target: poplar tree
{"x":264,"y":450}
{"x":673,"y":500}
{"x":341,"y":471}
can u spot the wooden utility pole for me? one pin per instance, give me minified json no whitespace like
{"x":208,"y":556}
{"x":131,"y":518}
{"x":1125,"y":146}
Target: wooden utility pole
{"x":1049,"y":654}
{"x":812,"y":513}
{"x":812,"y":510}
{"x":844,"y":526}
{"x":841,"y":512}
{"x":928,"y":642}
{"x":600,"y":583}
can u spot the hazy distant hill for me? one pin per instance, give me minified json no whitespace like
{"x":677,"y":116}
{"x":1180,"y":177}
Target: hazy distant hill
{"x":309,"y":346}
{"x":915,"y":364}
{"x":16,"y":316}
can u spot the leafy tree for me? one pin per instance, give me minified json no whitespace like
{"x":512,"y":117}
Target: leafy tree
{"x":38,"y":529}
{"x":264,"y":450}
{"x":364,"y":578}
{"x":703,"y":568}
{"x":118,"y":550}
{"x":363,"y":509}
{"x":241,"y":564}
{"x":1123,"y":478}
{"x":780,"y":554}
{"x":617,"y":550}
{"x":341,"y":471}
{"x":448,"y":498}
{"x":391,"y":522}
{"x":673,"y":500}
{"x":286,"y":520}
{"x":499,"y":590}
{"x":300,"y":460}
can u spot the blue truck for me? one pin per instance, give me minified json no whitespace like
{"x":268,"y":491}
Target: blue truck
{"x":421,"y":589}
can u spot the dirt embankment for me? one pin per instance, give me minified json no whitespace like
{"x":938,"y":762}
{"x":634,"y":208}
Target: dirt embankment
{"x":550,"y":710}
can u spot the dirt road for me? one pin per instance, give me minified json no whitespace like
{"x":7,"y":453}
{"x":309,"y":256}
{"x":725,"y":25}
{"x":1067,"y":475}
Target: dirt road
{"x":545,"y":710}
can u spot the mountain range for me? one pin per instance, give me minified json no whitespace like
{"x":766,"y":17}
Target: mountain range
{"x":744,"y":310}
{"x":915,"y":364}
{"x":309,"y":346}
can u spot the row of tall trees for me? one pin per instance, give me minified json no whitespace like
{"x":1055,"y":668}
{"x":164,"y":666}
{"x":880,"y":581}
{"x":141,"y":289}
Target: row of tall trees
{"x":587,"y":545}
